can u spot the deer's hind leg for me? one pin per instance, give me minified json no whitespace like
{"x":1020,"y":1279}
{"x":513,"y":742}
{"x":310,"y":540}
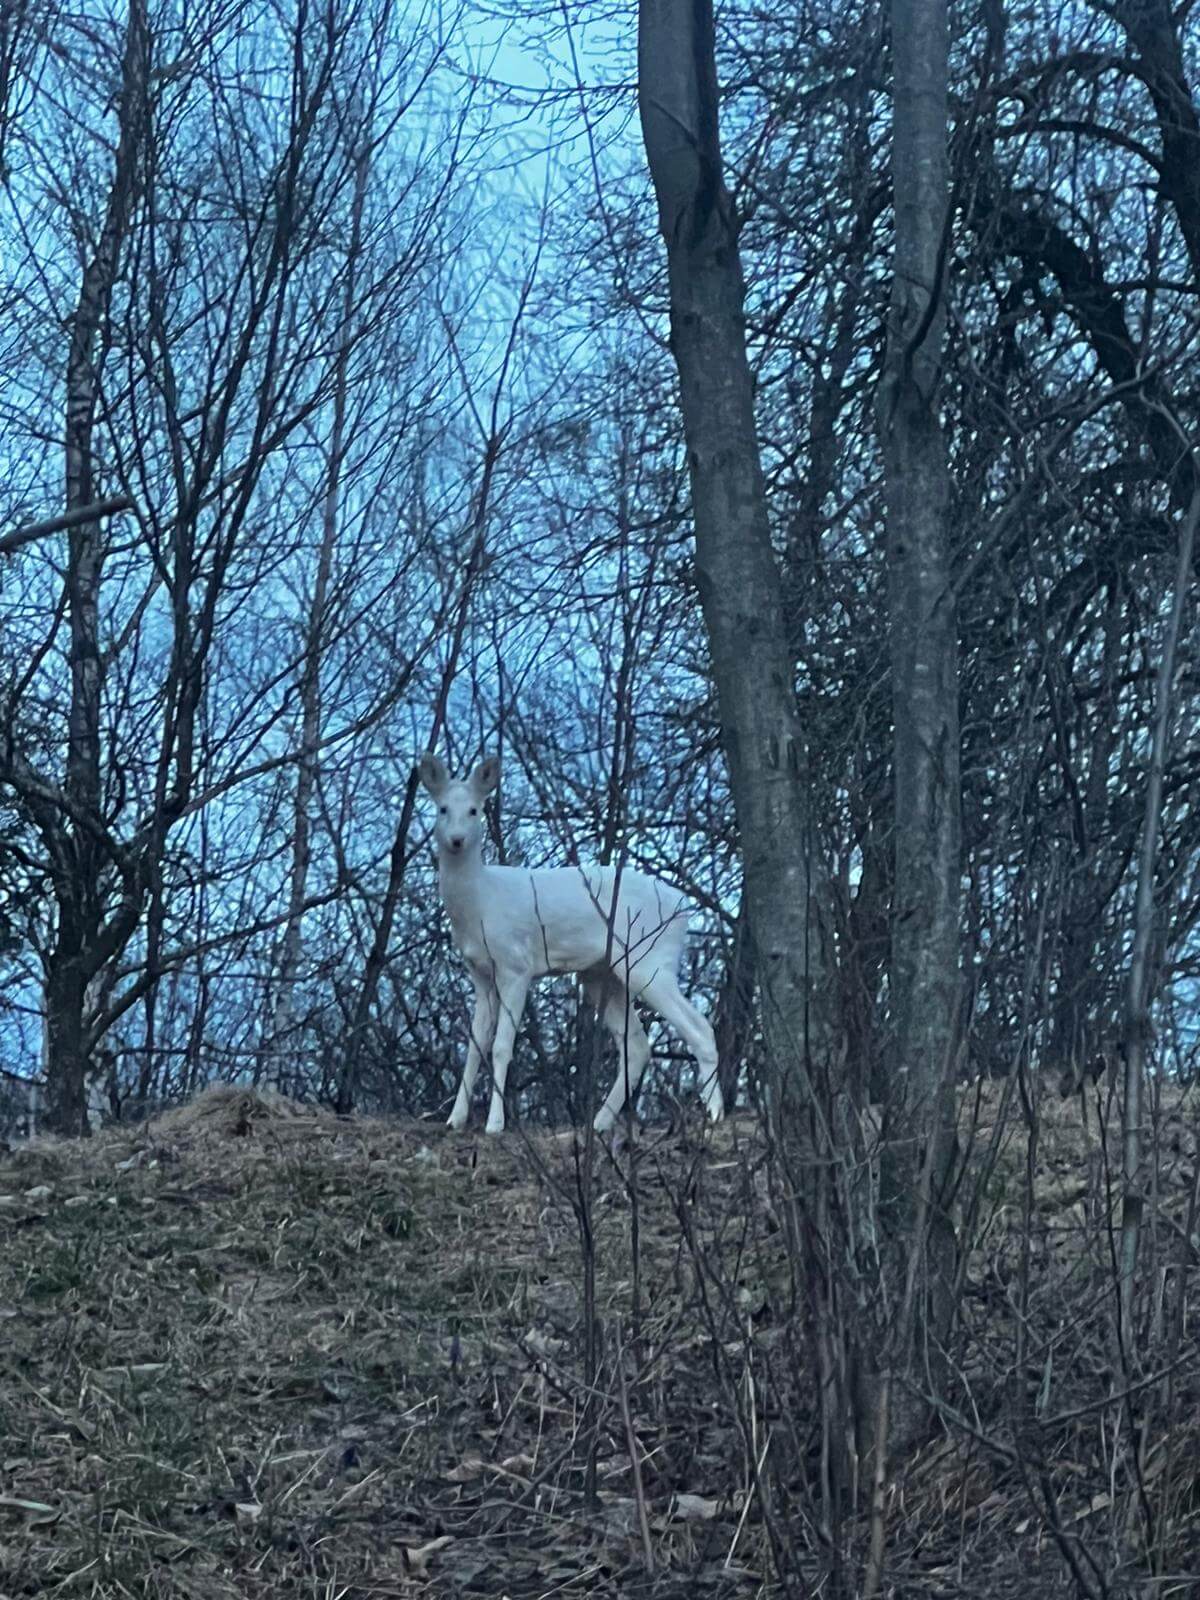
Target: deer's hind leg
{"x":663,"y":994}
{"x":614,"y":1006}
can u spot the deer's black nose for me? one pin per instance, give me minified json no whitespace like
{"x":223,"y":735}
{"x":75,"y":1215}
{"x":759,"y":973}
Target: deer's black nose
{"x":456,"y":842}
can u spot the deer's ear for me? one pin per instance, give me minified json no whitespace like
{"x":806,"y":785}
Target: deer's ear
{"x":486,"y":776}
{"x":433,"y":774}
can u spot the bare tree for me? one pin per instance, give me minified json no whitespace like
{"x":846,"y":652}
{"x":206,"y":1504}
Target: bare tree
{"x":85,"y":940}
{"x":736,"y":570}
{"x":922,"y":624}
{"x":205,"y":337}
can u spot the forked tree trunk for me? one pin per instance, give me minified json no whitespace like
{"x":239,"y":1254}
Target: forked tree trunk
{"x":924,"y":971}
{"x":736,"y":570}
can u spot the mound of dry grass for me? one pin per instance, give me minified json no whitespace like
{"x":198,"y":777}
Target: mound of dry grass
{"x":251,"y":1349}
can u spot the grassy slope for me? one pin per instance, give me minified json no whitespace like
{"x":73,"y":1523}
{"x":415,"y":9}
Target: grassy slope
{"x":250,"y":1351}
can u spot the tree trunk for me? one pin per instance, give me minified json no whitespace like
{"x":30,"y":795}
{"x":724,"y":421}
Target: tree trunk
{"x":924,"y":971}
{"x":66,"y":1055}
{"x":156,"y":916}
{"x":73,"y":958}
{"x":1140,"y":986}
{"x":733,"y":1016}
{"x":736,"y":571}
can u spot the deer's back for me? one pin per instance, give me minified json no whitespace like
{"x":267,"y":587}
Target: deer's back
{"x":558,"y":919}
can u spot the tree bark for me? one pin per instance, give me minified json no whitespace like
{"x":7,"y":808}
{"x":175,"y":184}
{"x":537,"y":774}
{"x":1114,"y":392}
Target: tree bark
{"x":66,"y":1055}
{"x":733,"y":1016}
{"x":737,"y":573}
{"x":924,"y":972}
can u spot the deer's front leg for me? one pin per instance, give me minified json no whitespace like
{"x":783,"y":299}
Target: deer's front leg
{"x":512,"y":991}
{"x":483,"y":1028}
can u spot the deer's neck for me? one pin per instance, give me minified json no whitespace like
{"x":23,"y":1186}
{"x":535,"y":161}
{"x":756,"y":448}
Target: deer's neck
{"x":461,"y":881}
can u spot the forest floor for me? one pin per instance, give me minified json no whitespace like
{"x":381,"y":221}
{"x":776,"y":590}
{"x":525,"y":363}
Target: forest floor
{"x":248,"y":1349}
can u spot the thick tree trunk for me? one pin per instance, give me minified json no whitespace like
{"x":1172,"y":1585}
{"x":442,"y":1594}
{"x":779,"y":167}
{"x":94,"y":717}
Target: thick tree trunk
{"x":66,"y":1053}
{"x":924,"y":972}
{"x":736,"y":570}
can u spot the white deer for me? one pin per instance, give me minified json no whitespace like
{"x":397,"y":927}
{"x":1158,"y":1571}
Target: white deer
{"x":514,"y":924}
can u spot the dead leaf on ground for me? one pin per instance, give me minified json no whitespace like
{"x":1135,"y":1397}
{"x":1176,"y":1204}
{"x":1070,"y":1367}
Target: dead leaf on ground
{"x":38,"y":1512}
{"x":416,"y":1557}
{"x":694,"y":1508}
{"x":137,"y":1369}
{"x":1098,"y":1502}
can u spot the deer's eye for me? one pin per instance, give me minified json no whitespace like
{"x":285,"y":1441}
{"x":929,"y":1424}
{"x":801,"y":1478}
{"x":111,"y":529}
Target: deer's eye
{"x":474,"y":813}
{"x":445,"y":811}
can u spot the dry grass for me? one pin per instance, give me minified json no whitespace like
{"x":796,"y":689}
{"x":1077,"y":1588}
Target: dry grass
{"x":252,"y":1350}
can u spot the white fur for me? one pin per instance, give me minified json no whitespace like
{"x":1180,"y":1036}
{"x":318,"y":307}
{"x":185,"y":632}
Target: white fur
{"x":514,"y":924}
